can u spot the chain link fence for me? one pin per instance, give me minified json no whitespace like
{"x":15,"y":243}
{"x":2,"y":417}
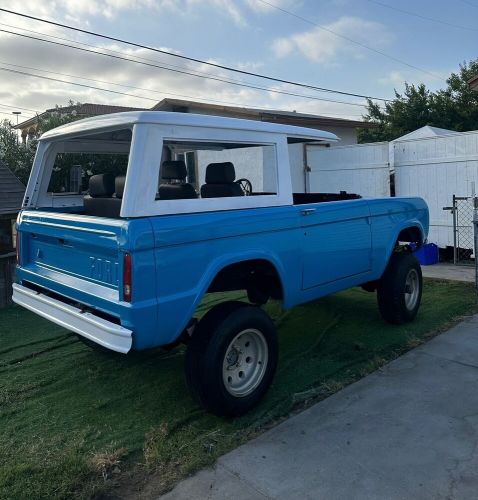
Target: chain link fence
{"x":463,"y":211}
{"x":463,"y":228}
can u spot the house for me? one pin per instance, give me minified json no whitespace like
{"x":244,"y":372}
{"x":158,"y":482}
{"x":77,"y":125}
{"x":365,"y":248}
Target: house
{"x":11,"y":197}
{"x":346,"y":130}
{"x":473,"y":83}
{"x":29,"y":127}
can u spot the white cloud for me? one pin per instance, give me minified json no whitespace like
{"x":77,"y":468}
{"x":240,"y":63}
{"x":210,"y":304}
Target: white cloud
{"x":39,"y":94}
{"x":394,"y":78}
{"x":322,"y":46}
{"x":258,"y":6}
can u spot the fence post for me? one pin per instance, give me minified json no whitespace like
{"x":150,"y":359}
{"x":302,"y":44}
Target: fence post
{"x":455,"y":229}
{"x":475,"y":232}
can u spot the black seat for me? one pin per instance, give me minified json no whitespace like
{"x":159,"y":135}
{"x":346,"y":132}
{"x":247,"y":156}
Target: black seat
{"x":175,"y":187}
{"x":220,"y":183}
{"x":100,"y":201}
{"x":119,"y":186}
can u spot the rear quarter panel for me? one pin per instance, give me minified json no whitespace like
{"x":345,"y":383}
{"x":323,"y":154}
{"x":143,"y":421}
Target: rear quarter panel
{"x":191,"y":249}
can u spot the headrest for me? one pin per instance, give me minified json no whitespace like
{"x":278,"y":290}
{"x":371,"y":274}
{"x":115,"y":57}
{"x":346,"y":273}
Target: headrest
{"x":173,"y":170}
{"x":101,"y":185}
{"x":119,"y":186}
{"x":220,"y":173}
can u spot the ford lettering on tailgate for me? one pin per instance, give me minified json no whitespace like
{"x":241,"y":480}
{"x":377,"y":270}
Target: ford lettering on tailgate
{"x":104,"y":270}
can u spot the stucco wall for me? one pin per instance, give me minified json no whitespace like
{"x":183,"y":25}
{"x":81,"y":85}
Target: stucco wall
{"x":256,"y":164}
{"x":347,"y":135}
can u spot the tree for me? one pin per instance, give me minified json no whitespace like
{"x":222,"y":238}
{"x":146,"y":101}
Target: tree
{"x":454,"y":108}
{"x":18,"y":156}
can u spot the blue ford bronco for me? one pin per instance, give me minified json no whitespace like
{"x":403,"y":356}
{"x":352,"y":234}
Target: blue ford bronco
{"x":130,"y":219}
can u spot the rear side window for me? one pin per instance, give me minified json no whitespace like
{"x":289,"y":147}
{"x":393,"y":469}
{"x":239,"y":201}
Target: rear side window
{"x":83,"y":157}
{"x":199,"y":170}
{"x":72,"y":171}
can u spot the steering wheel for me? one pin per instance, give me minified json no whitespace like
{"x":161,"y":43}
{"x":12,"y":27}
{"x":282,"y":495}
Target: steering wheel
{"x":246,"y":186}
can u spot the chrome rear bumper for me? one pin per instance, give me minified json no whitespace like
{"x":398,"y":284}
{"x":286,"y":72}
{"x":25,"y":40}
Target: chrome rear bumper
{"x":99,"y":330}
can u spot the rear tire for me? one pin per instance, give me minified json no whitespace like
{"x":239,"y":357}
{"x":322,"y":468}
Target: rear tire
{"x":399,"y":290}
{"x":231,"y":358}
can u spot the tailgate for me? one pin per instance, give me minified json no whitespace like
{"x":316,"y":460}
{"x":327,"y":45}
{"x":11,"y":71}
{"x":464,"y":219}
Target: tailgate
{"x":71,"y":253}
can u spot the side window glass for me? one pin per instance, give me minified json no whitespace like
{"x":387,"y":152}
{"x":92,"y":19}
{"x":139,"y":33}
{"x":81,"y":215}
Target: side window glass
{"x":216,"y":170}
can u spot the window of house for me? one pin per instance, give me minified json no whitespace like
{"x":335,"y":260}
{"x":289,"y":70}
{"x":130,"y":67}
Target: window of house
{"x":195,"y":170}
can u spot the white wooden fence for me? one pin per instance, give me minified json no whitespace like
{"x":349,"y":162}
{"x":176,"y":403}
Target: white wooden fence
{"x":435,"y":169}
{"x":361,"y":168}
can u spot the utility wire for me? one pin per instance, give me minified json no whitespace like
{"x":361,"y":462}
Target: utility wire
{"x":24,"y":73}
{"x":17,"y":107}
{"x":9,"y":70}
{"x":135,"y":58}
{"x":11,"y":116}
{"x":420,"y":16}
{"x":255,"y":87}
{"x":351,"y":40}
{"x":109,"y":50}
{"x":192,"y":59}
{"x":129,"y":86}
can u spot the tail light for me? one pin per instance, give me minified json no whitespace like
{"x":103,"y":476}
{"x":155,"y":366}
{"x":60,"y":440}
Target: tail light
{"x":127,"y":277}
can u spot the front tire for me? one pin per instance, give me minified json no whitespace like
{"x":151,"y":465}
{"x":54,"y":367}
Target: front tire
{"x":399,"y":291}
{"x":231,"y":358}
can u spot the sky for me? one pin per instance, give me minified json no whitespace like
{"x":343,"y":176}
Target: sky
{"x":359,"y":46}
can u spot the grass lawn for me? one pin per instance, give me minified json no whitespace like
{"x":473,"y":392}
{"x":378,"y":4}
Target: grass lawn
{"x":78,"y":422}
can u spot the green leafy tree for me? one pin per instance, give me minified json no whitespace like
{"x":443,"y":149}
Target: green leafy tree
{"x":18,"y":157}
{"x":454,"y":108}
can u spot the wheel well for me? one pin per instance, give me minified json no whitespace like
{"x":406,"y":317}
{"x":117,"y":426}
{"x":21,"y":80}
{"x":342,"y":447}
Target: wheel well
{"x":249,"y":274}
{"x":411,"y":235}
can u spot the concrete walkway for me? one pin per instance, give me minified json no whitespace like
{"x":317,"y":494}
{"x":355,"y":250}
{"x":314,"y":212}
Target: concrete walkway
{"x":409,"y":430}
{"x":447,"y":271}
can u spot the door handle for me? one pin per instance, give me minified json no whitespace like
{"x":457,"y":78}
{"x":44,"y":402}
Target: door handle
{"x":307,"y":211}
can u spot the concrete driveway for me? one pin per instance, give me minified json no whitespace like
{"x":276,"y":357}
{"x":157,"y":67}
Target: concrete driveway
{"x":446,"y":271}
{"x":409,"y":430}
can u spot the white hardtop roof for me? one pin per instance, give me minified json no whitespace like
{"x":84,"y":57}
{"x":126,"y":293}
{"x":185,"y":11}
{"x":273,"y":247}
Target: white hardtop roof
{"x":124,"y":120}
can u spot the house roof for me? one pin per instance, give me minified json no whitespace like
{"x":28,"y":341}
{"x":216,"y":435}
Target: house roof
{"x":11,"y":191}
{"x":473,"y":83}
{"x":86,"y":109}
{"x":265,"y":115}
{"x":124,"y":120}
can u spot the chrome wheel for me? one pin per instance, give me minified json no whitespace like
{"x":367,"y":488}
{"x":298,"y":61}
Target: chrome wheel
{"x":412,"y":289}
{"x":245,"y":363}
